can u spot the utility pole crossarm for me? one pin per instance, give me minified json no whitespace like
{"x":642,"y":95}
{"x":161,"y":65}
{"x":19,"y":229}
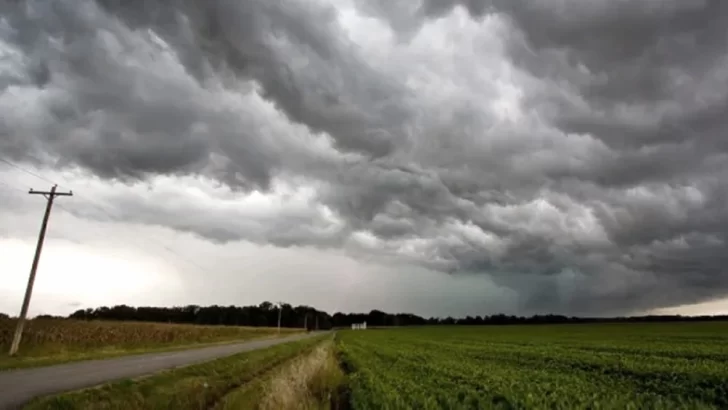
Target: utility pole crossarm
{"x":51,"y":192}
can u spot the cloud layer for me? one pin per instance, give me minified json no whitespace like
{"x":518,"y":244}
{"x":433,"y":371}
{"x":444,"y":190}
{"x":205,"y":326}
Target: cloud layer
{"x":574,"y":151}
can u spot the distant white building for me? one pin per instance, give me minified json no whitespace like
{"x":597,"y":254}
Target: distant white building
{"x":359,"y":326}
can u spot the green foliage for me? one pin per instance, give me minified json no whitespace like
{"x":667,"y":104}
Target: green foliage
{"x":603,"y":366}
{"x":265,"y":314}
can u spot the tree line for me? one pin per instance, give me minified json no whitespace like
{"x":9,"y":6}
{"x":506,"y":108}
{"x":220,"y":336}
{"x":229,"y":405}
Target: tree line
{"x":266,"y":314}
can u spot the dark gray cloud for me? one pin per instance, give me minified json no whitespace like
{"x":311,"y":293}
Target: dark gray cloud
{"x":574,"y":151}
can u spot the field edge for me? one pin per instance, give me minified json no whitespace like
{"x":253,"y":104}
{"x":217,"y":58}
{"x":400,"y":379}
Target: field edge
{"x":44,"y":345}
{"x":200,"y":385}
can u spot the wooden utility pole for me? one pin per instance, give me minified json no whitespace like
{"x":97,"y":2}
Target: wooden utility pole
{"x":50,"y":196}
{"x":280,"y":305}
{"x":305,"y":321}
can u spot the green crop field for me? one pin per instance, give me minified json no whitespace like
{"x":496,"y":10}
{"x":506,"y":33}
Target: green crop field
{"x":600,"y":366}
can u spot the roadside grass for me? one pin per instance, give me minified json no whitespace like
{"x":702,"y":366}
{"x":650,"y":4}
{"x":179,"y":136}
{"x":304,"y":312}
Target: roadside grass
{"x":52,"y":341}
{"x":311,"y":381}
{"x":199,"y":386}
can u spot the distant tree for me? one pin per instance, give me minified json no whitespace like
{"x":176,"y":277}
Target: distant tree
{"x":49,"y":317}
{"x":448,"y":321}
{"x":266,"y":314}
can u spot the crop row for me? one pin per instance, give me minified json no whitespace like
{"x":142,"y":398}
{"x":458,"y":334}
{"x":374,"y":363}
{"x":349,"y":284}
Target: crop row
{"x":49,"y":336}
{"x":538,"y":367}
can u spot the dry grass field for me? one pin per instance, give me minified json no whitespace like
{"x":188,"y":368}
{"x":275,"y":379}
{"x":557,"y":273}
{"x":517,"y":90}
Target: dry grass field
{"x":48,"y":341}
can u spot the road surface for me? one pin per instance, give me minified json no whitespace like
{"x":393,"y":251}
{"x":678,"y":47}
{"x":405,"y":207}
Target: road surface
{"x":17,"y":387}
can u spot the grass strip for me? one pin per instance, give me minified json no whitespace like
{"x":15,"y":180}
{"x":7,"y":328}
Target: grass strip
{"x":198,"y":386}
{"x":311,"y":381}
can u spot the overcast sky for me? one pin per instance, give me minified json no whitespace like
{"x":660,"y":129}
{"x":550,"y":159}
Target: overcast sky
{"x":442,"y":157}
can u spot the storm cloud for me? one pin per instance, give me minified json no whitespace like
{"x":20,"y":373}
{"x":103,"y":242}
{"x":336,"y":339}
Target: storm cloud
{"x":574,"y":152}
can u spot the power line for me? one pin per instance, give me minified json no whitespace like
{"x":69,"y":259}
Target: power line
{"x":108,"y":214}
{"x":12,"y":187}
{"x":148,"y":238}
{"x":133,"y":244}
{"x":26,"y":170}
{"x":57,"y":205}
